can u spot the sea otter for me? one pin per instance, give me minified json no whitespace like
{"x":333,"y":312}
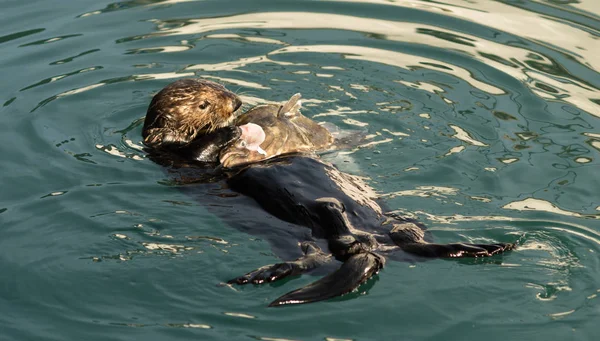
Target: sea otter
{"x":299,"y":188}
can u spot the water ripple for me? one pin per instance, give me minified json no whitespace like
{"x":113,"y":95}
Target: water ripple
{"x":480,"y":118}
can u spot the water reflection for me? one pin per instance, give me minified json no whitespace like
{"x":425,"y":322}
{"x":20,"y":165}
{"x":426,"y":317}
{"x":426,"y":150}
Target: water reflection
{"x":59,"y":77}
{"x":523,"y":61}
{"x":19,"y":35}
{"x":70,"y":59}
{"x":239,"y":64}
{"x":51,"y":40}
{"x":125,"y":5}
{"x":132,"y":78}
{"x":479,"y":117}
{"x":545,"y":206}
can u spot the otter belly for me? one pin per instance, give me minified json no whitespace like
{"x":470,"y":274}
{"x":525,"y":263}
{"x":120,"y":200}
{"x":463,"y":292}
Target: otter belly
{"x":291,"y":188}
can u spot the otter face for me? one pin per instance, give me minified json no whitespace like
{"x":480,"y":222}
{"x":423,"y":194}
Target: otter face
{"x":187,"y":108}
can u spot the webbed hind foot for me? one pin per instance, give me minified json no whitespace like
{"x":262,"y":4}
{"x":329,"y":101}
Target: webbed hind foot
{"x":355,"y":271}
{"x":456,"y":250}
{"x":409,"y":237}
{"x":313,"y":258}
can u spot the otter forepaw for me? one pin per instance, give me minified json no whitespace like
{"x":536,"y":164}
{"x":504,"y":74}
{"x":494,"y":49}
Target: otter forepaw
{"x":266,"y":274}
{"x":313,"y":257}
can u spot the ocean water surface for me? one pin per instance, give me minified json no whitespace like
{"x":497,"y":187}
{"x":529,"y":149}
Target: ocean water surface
{"x":482,"y":118}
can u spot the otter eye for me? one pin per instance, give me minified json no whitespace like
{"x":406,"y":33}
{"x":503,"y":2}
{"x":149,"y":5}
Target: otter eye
{"x":203,"y":105}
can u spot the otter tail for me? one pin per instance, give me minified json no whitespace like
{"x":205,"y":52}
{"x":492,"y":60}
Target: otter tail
{"x":355,"y":271}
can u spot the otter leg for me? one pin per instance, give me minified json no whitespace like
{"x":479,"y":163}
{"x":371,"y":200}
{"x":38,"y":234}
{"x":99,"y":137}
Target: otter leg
{"x":356,"y":270}
{"x":313,"y":258}
{"x":342,"y":242}
{"x":409,"y":237}
{"x":360,"y":263}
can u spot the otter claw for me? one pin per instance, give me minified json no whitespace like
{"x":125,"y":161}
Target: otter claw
{"x":483,"y":250}
{"x":500,"y":247}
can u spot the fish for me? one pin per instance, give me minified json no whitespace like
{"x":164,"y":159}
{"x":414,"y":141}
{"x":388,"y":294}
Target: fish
{"x":286,"y":131}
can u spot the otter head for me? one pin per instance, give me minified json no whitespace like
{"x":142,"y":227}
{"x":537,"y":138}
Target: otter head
{"x":186,"y":109}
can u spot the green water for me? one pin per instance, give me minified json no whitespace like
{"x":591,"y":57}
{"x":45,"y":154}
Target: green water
{"x":483,"y":118}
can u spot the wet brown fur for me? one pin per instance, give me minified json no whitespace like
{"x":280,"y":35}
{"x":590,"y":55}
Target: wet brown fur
{"x":188,"y":108}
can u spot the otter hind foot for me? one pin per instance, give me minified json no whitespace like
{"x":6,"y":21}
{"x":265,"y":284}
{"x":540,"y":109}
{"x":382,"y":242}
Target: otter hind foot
{"x":313,"y":257}
{"x":409,"y":237}
{"x":456,"y":250}
{"x":355,"y":271}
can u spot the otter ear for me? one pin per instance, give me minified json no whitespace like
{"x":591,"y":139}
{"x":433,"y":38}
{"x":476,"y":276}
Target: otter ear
{"x":291,"y":107}
{"x":159,"y":136}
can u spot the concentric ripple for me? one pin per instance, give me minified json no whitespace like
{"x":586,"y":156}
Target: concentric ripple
{"x":480,"y":118}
